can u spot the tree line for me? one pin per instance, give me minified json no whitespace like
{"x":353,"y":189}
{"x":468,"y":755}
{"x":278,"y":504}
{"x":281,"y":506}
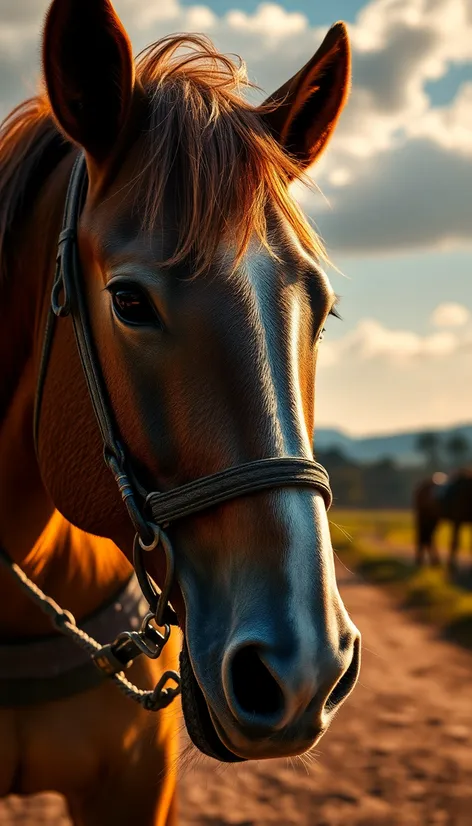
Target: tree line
{"x":384,"y":483}
{"x":444,"y":453}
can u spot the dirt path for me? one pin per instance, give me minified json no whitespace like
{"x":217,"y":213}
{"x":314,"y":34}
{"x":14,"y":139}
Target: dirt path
{"x":398,"y":754}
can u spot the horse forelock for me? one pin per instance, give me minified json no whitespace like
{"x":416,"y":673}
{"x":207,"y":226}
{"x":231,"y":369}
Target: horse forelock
{"x":201,"y":143}
{"x":213,"y":148}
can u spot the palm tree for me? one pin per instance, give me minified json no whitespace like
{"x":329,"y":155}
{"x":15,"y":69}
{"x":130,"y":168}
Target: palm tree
{"x":458,"y":448}
{"x":428,"y":444}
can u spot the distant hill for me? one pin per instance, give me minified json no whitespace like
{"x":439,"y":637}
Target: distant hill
{"x":397,"y":446}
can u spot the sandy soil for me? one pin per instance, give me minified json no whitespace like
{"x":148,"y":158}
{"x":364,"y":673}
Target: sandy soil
{"x":398,"y":754}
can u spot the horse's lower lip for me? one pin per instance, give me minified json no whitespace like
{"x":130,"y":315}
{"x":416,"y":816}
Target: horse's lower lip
{"x":251,"y":746}
{"x":208,"y":735}
{"x":200,"y":726}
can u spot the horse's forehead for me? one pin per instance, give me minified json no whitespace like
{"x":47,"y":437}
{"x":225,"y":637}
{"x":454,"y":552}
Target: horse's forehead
{"x":122,"y":243}
{"x":288,"y":265}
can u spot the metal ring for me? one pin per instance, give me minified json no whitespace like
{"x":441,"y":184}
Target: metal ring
{"x":157,"y":538}
{"x":145,"y":582}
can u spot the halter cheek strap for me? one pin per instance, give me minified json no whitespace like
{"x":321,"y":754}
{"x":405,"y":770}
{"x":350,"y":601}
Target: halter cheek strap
{"x":68,"y":298}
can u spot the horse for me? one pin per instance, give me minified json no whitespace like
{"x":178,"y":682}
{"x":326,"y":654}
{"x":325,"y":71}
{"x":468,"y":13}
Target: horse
{"x":441,"y":498}
{"x":205,"y":302}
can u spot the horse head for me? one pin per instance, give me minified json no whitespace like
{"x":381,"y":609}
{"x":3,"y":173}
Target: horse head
{"x":207,"y":305}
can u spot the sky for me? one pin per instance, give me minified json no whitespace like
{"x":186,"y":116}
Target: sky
{"x":395,"y":201}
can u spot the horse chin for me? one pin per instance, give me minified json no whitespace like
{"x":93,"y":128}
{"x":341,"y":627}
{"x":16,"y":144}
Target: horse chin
{"x":197,"y":716}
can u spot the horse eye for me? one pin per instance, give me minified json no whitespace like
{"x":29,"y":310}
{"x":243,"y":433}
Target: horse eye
{"x":132,"y":306}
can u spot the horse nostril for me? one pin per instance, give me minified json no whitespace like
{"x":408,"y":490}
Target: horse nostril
{"x":347,"y":682}
{"x":255,"y":689}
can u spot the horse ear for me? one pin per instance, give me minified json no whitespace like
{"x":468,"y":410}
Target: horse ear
{"x":307,"y":107}
{"x":89,"y":72}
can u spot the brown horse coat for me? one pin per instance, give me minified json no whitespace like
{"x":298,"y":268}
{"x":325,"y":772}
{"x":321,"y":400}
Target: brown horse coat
{"x":207,"y":304}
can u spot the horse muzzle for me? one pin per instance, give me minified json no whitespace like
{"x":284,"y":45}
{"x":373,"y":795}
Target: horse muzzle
{"x":271,"y":702}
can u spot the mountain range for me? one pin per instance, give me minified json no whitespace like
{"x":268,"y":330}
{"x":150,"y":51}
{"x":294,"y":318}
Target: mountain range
{"x":401,"y":447}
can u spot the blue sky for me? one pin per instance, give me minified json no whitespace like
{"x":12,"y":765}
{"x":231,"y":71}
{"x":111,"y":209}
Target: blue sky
{"x":397,"y":183}
{"x":318,"y":13}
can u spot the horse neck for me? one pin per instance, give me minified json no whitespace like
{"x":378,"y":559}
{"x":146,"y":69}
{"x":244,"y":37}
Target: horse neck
{"x":80,"y":571}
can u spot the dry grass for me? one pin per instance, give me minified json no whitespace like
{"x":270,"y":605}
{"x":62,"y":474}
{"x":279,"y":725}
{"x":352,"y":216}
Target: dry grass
{"x":379,"y":546}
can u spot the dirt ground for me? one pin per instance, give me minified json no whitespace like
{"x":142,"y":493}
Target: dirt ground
{"x":398,"y":754}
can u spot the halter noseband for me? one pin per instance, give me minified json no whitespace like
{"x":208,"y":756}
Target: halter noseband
{"x":155,"y":510}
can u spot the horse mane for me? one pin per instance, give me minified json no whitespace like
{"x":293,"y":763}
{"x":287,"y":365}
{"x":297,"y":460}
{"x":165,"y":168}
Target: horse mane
{"x":203,"y":142}
{"x":30,"y":147}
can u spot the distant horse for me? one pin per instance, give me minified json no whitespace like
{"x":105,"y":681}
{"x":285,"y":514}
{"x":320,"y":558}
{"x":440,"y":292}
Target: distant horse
{"x":441,"y":498}
{"x":200,"y":309}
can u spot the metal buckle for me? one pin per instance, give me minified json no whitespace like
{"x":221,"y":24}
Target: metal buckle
{"x":118,"y":655}
{"x":149,"y":640}
{"x":107,"y":662}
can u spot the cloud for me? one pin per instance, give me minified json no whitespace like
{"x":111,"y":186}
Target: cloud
{"x":400,"y":46}
{"x":376,"y":378}
{"x":270,"y":21}
{"x":449,"y":126}
{"x":399,"y":171}
{"x":450,"y":314}
{"x":377,"y":394}
{"x":419,"y":195}
{"x":371,"y":341}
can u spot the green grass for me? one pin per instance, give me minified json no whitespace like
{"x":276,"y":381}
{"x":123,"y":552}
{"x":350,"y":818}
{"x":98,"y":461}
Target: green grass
{"x":390,"y":526}
{"x":379,"y":545}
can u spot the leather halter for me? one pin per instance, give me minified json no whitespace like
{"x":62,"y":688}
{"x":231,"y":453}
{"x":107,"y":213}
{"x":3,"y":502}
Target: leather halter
{"x":149,"y":512}
{"x":51,"y":668}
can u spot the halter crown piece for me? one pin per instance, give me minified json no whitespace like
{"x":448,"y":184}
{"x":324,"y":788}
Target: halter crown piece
{"x":155,"y":509}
